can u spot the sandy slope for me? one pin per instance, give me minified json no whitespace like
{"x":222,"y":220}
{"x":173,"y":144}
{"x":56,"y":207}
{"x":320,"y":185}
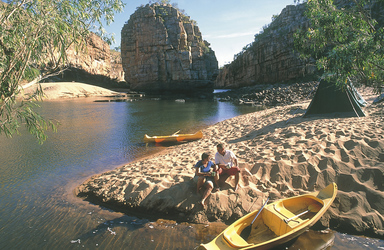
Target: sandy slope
{"x":56,"y":90}
{"x":280,"y":153}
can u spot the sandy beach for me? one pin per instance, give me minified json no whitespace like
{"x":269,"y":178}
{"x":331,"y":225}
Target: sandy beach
{"x":60,"y":90}
{"x":280,"y":154}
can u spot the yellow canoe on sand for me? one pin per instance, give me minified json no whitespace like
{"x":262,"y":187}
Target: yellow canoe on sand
{"x":174,"y":138}
{"x":278,"y":223}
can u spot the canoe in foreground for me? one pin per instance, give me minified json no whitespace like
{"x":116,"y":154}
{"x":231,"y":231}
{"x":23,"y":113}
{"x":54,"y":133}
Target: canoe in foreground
{"x":277,"y":223}
{"x":174,"y":137}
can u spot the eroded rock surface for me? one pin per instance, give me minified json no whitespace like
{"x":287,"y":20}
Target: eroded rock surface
{"x":271,"y":57}
{"x":163,"y":51}
{"x":97,"y":59}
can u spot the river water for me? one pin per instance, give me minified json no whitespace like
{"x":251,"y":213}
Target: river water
{"x":38,"y":209}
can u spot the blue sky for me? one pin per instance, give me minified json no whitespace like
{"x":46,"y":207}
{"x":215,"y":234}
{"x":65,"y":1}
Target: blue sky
{"x":227,"y":25}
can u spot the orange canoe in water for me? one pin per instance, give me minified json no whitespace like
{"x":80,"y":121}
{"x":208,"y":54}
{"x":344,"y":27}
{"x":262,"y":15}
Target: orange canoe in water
{"x":173,"y":138}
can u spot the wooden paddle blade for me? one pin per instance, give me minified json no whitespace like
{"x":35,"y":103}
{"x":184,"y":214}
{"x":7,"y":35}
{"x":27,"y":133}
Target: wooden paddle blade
{"x":246,"y":232}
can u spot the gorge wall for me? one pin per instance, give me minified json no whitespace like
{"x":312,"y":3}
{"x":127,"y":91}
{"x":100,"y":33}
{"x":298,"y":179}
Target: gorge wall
{"x":98,"y":59}
{"x":95,"y":64}
{"x":271,"y":57}
{"x":163,"y":52}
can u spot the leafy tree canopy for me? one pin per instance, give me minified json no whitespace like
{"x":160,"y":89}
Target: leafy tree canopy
{"x":34,"y":38}
{"x":345,"y":39}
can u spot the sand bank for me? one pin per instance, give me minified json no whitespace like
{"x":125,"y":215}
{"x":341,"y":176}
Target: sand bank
{"x":57,"y":90}
{"x":281,"y":154}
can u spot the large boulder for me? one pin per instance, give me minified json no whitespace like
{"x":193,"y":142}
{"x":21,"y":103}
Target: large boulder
{"x":163,"y":52}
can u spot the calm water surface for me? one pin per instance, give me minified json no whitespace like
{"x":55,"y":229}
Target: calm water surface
{"x":38,"y":209}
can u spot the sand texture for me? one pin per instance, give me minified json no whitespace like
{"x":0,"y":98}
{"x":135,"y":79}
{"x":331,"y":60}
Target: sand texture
{"x":281,"y":154}
{"x":58,"y":90}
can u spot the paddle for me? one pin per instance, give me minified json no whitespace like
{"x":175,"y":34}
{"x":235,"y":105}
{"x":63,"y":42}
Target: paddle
{"x":247,"y":231}
{"x":176,"y":132}
{"x":311,"y":208}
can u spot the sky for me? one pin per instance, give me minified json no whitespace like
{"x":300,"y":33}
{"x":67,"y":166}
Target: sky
{"x":228,"y":25}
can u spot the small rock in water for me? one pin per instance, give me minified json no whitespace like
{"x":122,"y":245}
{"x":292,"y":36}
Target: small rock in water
{"x":110,"y":230}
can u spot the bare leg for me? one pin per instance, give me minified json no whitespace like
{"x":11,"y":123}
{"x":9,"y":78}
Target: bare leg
{"x":207,"y":192}
{"x":200,"y":183}
{"x":223,"y":178}
{"x":216,"y":179}
{"x":237,"y":177}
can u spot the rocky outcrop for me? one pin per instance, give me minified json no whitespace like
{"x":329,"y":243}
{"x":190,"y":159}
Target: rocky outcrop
{"x":96,"y":59}
{"x":270,"y":95}
{"x":163,"y":52}
{"x":117,"y":71}
{"x":271,"y":57}
{"x":95,"y":64}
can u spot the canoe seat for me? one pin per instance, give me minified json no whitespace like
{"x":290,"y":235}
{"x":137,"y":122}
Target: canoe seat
{"x":274,"y":216}
{"x":282,"y":211}
{"x":235,"y":240}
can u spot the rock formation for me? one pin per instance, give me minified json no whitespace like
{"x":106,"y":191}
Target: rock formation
{"x":163,"y":52}
{"x":270,"y":95}
{"x":271,"y":57}
{"x":95,"y":64}
{"x":117,"y":71}
{"x":97,"y":59}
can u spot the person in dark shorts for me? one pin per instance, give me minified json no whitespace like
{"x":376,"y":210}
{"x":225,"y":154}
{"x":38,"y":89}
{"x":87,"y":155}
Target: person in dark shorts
{"x":206,"y":176}
{"x":227,"y":162}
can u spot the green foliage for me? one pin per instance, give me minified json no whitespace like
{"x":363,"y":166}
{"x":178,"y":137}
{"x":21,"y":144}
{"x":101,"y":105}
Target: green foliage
{"x":160,"y":1}
{"x":34,"y":38}
{"x":346,"y":41}
{"x":31,"y":73}
{"x":162,"y":12}
{"x":205,"y":46}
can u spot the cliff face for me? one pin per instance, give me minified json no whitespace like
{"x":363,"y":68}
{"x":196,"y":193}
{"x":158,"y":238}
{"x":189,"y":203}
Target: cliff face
{"x":271,"y":57}
{"x":163,"y":51}
{"x":97,"y":59}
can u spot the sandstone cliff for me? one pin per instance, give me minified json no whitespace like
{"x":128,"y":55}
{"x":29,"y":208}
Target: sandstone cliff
{"x":96,"y":59}
{"x":163,"y":51}
{"x":95,"y":64}
{"x":271,"y":57}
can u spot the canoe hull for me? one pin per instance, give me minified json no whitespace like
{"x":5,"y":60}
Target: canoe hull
{"x":270,"y":229}
{"x":173,"y":138}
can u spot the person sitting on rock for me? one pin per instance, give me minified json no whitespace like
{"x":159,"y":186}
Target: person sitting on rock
{"x":227,"y":162}
{"x":205,"y":176}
